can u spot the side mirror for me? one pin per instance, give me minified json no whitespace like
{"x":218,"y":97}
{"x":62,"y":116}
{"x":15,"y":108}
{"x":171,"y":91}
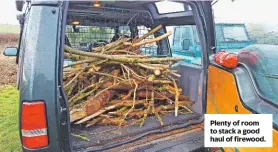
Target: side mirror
{"x":19,"y":5}
{"x":10,"y":51}
{"x":185,"y":44}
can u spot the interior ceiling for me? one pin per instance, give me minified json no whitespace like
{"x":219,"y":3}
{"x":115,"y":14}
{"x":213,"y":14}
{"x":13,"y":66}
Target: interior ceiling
{"x":113,"y":3}
{"x":185,"y":18}
{"x":126,"y":4}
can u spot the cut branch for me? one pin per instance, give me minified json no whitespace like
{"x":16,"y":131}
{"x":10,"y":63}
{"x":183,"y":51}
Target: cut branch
{"x":152,"y":40}
{"x":105,"y":109}
{"x":120,"y":58}
{"x":148,"y":34}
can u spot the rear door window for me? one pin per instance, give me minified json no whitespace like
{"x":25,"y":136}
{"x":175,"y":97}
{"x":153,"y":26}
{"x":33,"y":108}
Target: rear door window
{"x":184,"y":42}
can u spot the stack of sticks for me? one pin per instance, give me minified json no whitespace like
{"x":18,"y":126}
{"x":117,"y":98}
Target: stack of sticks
{"x":116,"y":83}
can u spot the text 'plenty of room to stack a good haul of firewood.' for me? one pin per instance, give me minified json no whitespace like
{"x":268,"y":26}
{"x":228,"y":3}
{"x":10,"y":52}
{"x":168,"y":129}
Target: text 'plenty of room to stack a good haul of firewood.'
{"x":238,"y":130}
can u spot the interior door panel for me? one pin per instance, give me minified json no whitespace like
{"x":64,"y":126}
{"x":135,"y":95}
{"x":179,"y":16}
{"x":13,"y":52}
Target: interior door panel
{"x":191,"y":83}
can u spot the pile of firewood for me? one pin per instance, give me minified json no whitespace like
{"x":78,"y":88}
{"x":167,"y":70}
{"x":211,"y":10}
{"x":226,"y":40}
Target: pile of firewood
{"x":116,"y":83}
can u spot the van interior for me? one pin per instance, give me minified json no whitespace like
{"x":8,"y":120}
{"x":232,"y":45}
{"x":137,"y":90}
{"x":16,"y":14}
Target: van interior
{"x":89,"y":25}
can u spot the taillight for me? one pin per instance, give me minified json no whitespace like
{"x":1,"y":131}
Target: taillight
{"x":33,"y":125}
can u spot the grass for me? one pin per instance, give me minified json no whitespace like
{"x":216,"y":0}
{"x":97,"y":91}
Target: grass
{"x":9,"y":134}
{"x":6,"y":28}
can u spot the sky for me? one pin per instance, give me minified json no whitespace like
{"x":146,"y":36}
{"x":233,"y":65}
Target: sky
{"x":240,"y":11}
{"x":246,"y":11}
{"x":8,"y":12}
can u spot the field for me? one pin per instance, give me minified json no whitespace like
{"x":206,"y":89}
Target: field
{"x":9,"y":133}
{"x":7,"y":64}
{"x":4,"y":28}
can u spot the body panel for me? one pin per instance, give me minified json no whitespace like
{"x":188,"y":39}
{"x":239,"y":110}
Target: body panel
{"x":39,"y":73}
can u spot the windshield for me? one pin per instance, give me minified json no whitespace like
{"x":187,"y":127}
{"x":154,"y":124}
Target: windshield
{"x":234,"y":33}
{"x":184,"y":32}
{"x":231,"y":32}
{"x":255,"y":21}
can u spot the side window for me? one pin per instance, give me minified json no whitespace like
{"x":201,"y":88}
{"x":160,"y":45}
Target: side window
{"x":185,"y":43}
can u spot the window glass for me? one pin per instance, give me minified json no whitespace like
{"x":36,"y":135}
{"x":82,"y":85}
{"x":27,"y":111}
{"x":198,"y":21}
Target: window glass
{"x":87,"y":37}
{"x":177,"y":36}
{"x":185,"y":43}
{"x":262,"y":60}
{"x":163,"y":7}
{"x":81,"y":36}
{"x":150,"y":48}
{"x":234,"y":33}
{"x":219,"y":33}
{"x":124,"y":30}
{"x":251,"y":26}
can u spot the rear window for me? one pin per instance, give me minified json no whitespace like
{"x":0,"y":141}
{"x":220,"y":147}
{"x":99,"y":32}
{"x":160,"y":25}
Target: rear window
{"x":80,"y":36}
{"x":87,"y":32}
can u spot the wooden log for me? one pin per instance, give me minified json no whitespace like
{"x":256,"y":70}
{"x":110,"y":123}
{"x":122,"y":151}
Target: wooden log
{"x":152,"y":40}
{"x":176,"y":98}
{"x":113,"y":121}
{"x":73,"y":79}
{"x":121,"y":58}
{"x":94,"y":121}
{"x":162,"y":95}
{"x":73,"y":56}
{"x":94,"y":104}
{"x":76,"y":115}
{"x":105,"y":109}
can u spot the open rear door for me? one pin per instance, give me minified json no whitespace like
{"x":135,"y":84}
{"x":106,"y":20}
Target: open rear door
{"x":250,"y":88}
{"x":232,"y":92}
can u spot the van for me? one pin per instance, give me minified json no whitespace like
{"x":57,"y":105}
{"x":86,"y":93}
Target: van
{"x":49,"y":26}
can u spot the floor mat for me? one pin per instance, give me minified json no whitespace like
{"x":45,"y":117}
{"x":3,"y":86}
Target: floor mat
{"x":100,"y":135}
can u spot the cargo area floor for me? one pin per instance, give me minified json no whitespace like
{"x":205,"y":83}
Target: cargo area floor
{"x":104,"y":135}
